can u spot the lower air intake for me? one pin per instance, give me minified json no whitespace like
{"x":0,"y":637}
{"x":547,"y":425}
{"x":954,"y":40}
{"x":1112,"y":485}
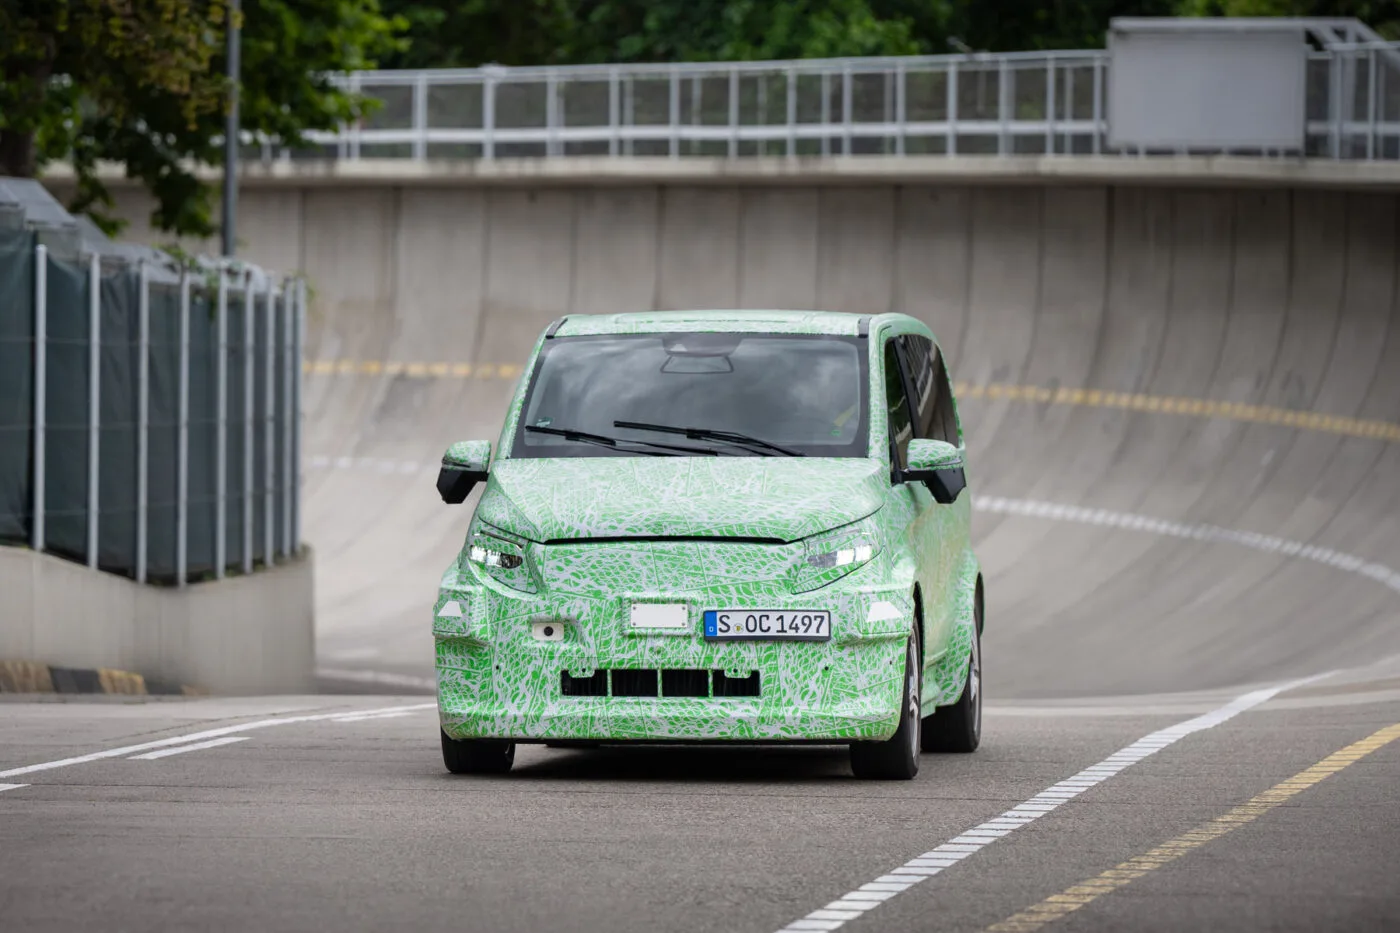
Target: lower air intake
{"x":735,"y":686}
{"x":685,"y":683}
{"x":595,"y":685}
{"x":634,"y":683}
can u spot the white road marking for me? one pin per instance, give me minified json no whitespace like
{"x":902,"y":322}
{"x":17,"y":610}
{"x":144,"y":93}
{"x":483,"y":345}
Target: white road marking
{"x":377,"y":677}
{"x":5,"y":787}
{"x":868,"y":896}
{"x":361,"y":717}
{"x":127,"y":750}
{"x":181,"y":749}
{"x":374,"y":464}
{"x":1386,"y":576}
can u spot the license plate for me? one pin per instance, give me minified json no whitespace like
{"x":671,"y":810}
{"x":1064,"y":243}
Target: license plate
{"x":799,"y":625}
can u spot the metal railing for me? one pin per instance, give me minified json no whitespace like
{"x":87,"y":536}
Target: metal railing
{"x":983,"y":104}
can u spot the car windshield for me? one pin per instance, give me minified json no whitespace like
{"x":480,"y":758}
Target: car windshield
{"x":803,"y":394}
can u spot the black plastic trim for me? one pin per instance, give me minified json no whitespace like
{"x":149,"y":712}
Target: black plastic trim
{"x":554,"y":328}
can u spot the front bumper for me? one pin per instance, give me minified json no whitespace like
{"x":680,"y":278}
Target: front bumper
{"x":498,"y":678}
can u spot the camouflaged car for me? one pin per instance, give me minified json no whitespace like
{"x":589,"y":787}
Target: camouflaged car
{"x":734,"y":526}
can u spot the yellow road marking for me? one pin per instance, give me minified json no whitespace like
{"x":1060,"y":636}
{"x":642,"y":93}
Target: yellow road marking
{"x":1090,"y":398}
{"x":1086,"y":892}
{"x":1204,"y":408}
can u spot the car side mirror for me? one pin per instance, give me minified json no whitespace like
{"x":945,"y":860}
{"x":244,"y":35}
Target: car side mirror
{"x":465,"y":464}
{"x":939,"y":465}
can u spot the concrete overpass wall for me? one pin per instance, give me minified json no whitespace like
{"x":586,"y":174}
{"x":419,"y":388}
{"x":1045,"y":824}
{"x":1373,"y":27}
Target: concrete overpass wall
{"x":1266,"y":296}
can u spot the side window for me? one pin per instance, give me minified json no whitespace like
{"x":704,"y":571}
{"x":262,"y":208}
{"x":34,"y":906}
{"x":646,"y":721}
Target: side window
{"x":921,"y":382}
{"x":947,"y":408}
{"x":933,"y":398}
{"x":901,"y":424}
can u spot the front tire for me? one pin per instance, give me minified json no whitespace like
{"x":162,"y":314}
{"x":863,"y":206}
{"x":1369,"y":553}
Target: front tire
{"x":477,"y":756}
{"x":958,"y":728}
{"x":896,"y":759}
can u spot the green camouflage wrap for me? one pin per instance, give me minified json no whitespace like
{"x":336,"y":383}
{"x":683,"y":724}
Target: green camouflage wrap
{"x":499,"y":673}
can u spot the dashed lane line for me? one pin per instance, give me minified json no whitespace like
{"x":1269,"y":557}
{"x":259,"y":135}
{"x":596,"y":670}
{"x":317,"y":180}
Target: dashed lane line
{"x":868,"y":896}
{"x":129,"y":750}
{"x":1086,"y":892}
{"x":5,"y":787}
{"x":1369,"y":428}
{"x":196,"y":747}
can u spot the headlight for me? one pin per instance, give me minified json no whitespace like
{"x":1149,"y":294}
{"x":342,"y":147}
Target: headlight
{"x":494,"y":558}
{"x":858,"y":553}
{"x":829,"y":556}
{"x":500,"y":556}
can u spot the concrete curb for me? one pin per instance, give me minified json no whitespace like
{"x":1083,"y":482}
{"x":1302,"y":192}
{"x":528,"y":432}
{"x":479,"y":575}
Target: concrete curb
{"x":33,"y":677}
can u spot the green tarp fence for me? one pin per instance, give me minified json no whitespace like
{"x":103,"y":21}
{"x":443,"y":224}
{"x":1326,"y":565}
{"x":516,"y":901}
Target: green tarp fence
{"x":167,"y":529}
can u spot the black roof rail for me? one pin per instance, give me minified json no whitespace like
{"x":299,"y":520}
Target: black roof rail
{"x":863,"y":326}
{"x":554,"y":328}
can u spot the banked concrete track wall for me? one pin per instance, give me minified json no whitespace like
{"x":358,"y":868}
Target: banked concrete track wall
{"x":1265,"y":297}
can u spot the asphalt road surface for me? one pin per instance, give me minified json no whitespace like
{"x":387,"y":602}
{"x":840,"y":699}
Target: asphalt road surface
{"x":348,"y":821}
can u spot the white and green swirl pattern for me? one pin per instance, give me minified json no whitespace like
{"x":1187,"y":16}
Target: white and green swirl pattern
{"x":707,"y":533}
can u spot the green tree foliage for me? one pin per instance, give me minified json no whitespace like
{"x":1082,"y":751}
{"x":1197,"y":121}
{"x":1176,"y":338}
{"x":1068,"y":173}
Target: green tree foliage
{"x":467,"y":33}
{"x":1381,"y":15}
{"x":141,"y":84}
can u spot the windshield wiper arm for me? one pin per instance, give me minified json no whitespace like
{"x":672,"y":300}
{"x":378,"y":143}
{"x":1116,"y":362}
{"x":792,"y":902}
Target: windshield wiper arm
{"x":601,"y":440}
{"x":710,"y":434}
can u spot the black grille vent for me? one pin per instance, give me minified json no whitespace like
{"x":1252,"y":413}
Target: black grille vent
{"x":664,"y":683}
{"x":634,"y":683}
{"x":594,"y":686}
{"x":685,"y":683}
{"x":736,"y":686}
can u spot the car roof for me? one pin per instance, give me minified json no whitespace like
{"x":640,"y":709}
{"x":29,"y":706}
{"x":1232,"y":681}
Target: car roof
{"x":747,"y":321}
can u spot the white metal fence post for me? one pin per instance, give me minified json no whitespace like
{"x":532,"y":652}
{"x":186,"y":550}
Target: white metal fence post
{"x":1098,"y":106}
{"x":289,"y":365}
{"x":950,"y":145}
{"x":488,"y":118}
{"x":420,"y":118}
{"x":551,"y":116}
{"x":41,"y":390}
{"x":249,"y":349}
{"x":143,"y":417}
{"x":221,"y":428}
{"x":299,"y":337}
{"x":614,"y":120}
{"x":733,"y":112}
{"x":791,"y":112}
{"x":269,"y":429}
{"x":1004,"y":99}
{"x":182,"y":449}
{"x":846,"y":109}
{"x":94,"y":401}
{"x":673,"y":107}
{"x":900,"y":108}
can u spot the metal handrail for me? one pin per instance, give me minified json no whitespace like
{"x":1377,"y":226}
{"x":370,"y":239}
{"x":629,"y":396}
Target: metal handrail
{"x":1049,"y":102}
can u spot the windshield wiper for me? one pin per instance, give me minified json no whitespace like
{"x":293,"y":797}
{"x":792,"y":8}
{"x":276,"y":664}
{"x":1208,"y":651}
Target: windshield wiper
{"x":584,"y":437}
{"x":753,"y":444}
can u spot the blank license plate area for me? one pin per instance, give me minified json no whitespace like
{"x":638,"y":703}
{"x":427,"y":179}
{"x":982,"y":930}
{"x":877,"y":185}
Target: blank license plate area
{"x":666,"y":616}
{"x":737,"y":624}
